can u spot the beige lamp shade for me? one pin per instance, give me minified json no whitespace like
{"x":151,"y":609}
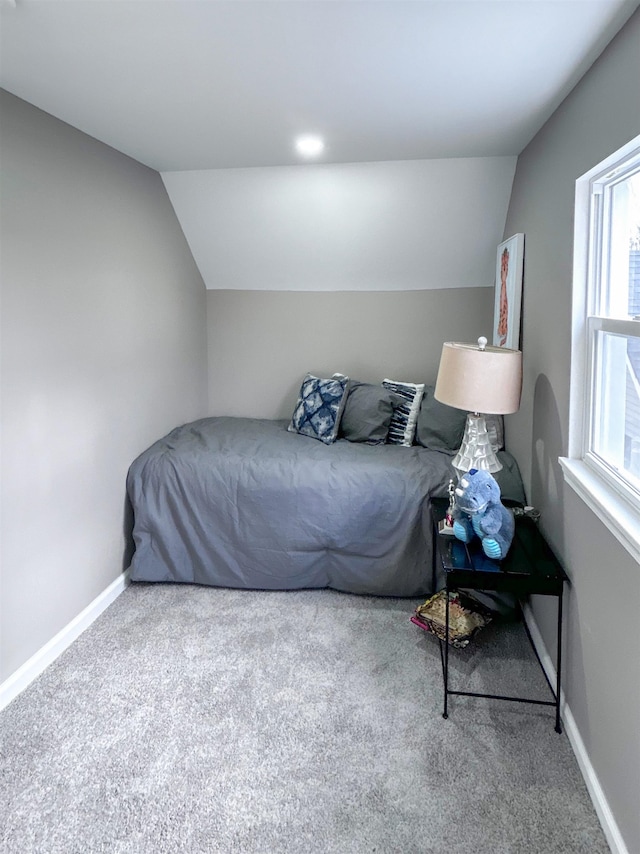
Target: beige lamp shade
{"x":478,"y":378}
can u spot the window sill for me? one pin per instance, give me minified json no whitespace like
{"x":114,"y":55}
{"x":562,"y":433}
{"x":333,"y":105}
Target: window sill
{"x":622,"y":520}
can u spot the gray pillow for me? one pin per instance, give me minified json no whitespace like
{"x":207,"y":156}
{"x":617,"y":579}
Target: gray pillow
{"x":509,"y":479}
{"x":440,"y":427}
{"x":367,"y":413}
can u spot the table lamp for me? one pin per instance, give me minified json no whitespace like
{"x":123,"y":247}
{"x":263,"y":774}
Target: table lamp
{"x":479,"y":379}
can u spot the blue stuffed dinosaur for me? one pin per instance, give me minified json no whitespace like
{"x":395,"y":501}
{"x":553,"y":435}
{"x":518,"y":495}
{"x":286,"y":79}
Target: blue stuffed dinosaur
{"x":479,"y":512}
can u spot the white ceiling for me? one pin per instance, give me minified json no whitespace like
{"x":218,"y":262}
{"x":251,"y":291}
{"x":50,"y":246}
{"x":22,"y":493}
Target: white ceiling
{"x":202,"y":84}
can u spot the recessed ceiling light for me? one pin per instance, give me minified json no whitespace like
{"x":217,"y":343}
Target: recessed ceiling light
{"x":309,"y":146}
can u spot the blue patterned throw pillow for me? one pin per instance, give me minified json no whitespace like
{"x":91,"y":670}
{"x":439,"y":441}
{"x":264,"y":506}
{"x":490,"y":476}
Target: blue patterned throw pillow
{"x":319,"y":407}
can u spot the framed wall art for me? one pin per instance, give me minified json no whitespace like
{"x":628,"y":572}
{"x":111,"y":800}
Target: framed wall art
{"x":508,"y":293}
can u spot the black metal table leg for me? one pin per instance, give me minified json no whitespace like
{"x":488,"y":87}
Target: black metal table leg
{"x":445,"y":714}
{"x":559,"y":663}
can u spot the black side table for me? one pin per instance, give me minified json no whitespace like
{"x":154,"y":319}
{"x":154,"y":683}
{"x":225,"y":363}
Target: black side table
{"x":530,"y":567}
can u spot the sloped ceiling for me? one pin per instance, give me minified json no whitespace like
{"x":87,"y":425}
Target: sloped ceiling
{"x":385,"y":226}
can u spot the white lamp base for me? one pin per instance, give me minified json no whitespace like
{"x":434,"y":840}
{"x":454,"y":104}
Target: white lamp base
{"x":476,"y":451}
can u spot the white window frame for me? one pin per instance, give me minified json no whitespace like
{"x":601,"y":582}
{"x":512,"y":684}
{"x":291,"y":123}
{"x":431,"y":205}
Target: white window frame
{"x":608,"y":495}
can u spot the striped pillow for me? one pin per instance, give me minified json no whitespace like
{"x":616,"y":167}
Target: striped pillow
{"x":404,"y":419}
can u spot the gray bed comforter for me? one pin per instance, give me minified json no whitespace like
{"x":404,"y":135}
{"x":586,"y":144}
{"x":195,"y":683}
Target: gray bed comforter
{"x":240,"y":502}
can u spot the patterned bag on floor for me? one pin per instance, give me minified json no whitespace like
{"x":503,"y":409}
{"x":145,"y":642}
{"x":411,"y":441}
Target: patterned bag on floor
{"x":466,"y":617}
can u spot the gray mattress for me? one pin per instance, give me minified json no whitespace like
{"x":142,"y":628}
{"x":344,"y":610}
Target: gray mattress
{"x":240,"y":502}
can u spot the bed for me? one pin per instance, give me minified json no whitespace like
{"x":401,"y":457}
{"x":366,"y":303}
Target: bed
{"x":246,"y":503}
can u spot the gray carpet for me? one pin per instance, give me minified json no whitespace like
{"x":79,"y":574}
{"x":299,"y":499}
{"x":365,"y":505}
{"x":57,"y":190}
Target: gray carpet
{"x":191,"y":719}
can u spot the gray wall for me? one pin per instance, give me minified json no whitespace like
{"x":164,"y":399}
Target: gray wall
{"x":261,"y":343}
{"x":360,"y":268}
{"x":602,"y":662}
{"x":103,"y":349}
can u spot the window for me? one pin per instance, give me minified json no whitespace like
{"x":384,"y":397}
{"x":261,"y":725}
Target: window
{"x":604,"y":441}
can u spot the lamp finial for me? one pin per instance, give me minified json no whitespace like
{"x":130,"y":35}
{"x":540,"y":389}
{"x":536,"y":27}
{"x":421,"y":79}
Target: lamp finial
{"x":482,"y":342}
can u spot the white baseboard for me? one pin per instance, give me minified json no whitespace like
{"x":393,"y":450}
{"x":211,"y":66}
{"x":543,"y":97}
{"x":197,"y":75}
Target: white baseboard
{"x":38,"y":662}
{"x":607,"y":821}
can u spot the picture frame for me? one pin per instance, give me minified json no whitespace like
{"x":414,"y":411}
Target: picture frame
{"x":508,"y":292}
